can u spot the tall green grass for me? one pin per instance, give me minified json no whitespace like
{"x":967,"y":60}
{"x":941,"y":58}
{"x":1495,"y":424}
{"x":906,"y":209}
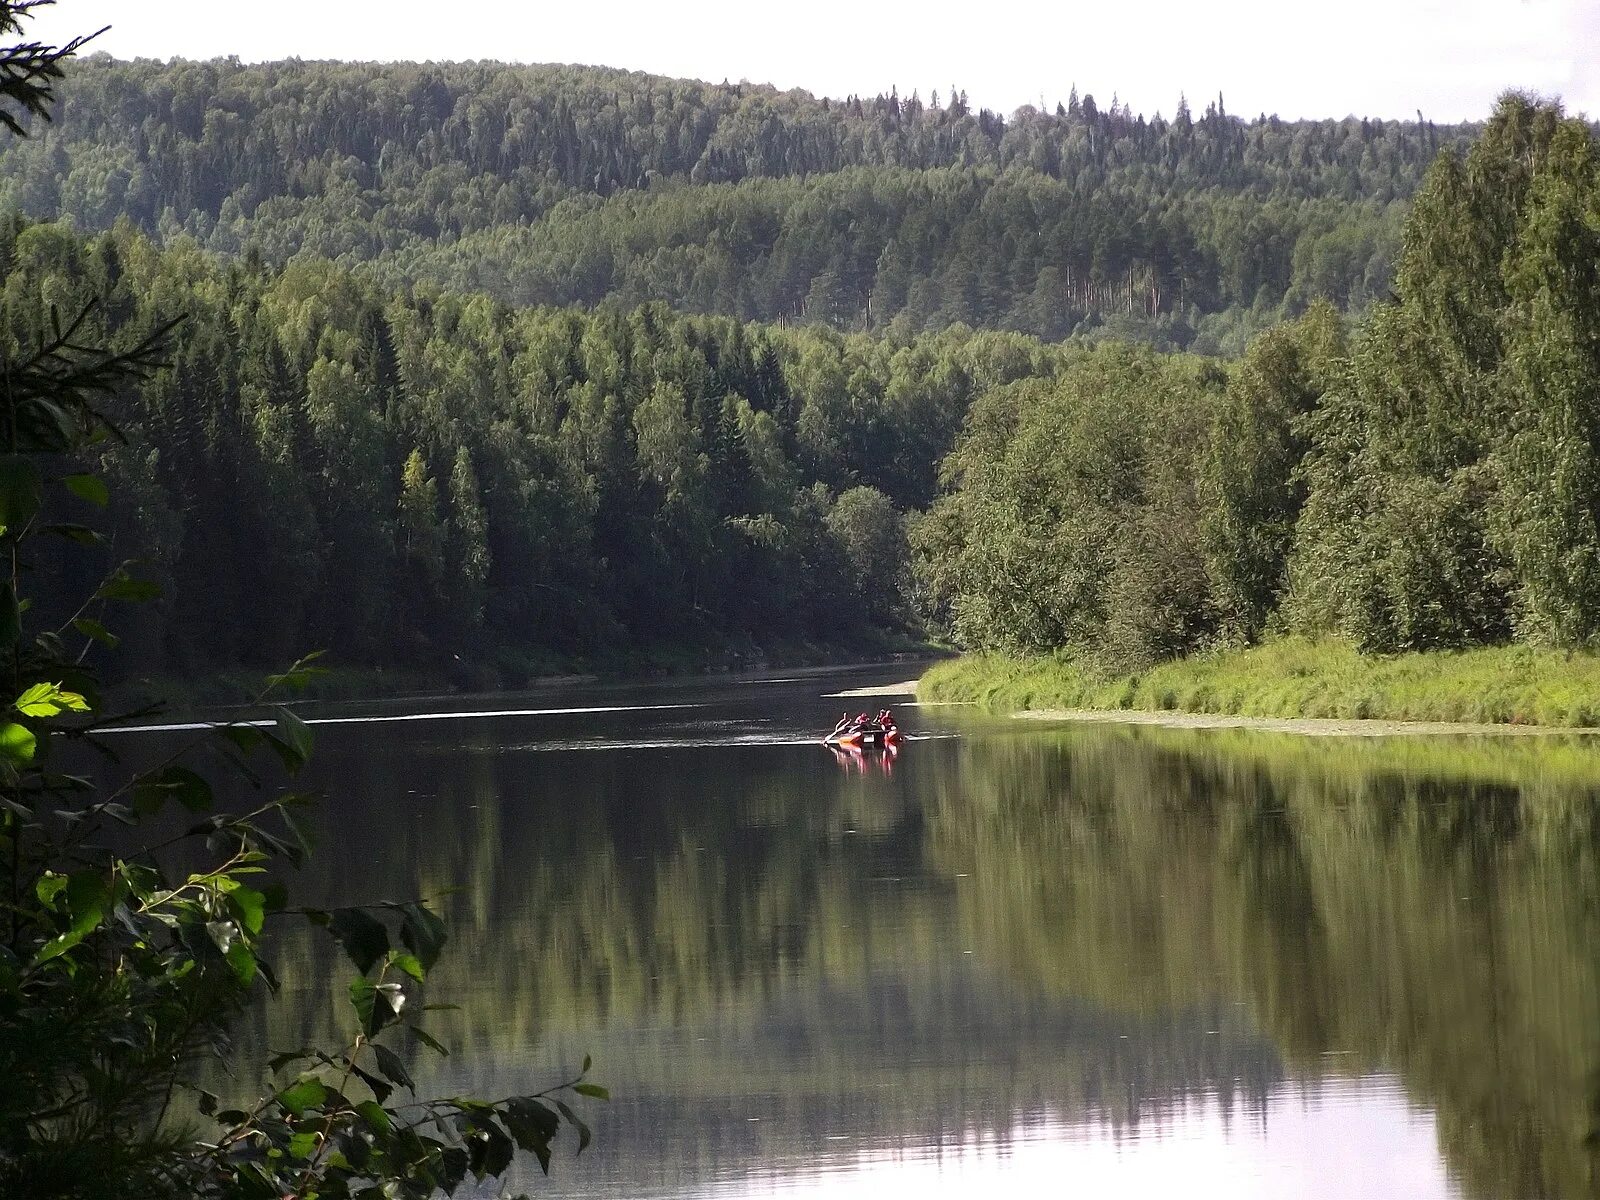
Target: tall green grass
{"x":1298,"y":678}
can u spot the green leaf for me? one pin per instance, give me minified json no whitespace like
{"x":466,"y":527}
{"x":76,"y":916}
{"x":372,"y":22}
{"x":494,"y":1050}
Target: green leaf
{"x":50,"y":886}
{"x":571,"y":1118}
{"x":279,"y":1061}
{"x":296,"y":735}
{"x":242,"y":961}
{"x":298,"y":850}
{"x":376,"y":1005}
{"x":49,"y":700}
{"x":408,"y":963}
{"x":122,"y":586}
{"x":87,"y":893}
{"x":364,"y":998}
{"x":498,"y":1150}
{"x":428,"y":1040}
{"x":249,"y":907}
{"x":363,"y":937}
{"x":21,"y":489}
{"x":533,"y":1125}
{"x":392,"y":1068}
{"x":394,"y":995}
{"x":375,"y":1115}
{"x":303,"y":1144}
{"x":172,"y":783}
{"x":380,"y":1089}
{"x":88,"y":487}
{"x":307,"y":1092}
{"x":593,"y":1090}
{"x":91,"y":628}
{"x":17,"y":743}
{"x":247,"y":738}
{"x":422,"y":933}
{"x":452,"y":1169}
{"x":87,"y":897}
{"x":298,"y":676}
{"x":353,"y":1151}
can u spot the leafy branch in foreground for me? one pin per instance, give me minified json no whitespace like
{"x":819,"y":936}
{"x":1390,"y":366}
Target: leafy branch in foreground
{"x":118,"y":980}
{"x":134,"y":909}
{"x":29,"y":71}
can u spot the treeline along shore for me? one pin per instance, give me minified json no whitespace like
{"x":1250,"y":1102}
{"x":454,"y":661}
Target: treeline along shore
{"x":426,"y":479}
{"x":940,"y":391}
{"x":1411,"y":497}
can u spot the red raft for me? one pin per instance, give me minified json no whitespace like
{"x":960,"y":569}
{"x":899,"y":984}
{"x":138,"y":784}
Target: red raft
{"x":872,"y":735}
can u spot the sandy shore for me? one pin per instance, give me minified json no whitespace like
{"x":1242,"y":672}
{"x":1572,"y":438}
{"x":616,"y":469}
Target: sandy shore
{"x":1311,"y":726}
{"x":908,"y":688}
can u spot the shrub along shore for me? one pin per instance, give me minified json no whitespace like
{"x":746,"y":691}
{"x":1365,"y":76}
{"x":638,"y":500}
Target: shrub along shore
{"x":1297,"y":678}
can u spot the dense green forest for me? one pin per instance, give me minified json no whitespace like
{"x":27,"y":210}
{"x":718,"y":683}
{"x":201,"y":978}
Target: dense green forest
{"x":553,"y":185}
{"x":770,"y":350}
{"x":1427,"y":478}
{"x":483,"y":371}
{"x":426,"y":479}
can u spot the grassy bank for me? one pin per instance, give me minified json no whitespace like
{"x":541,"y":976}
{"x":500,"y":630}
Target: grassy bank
{"x":1296,"y":678}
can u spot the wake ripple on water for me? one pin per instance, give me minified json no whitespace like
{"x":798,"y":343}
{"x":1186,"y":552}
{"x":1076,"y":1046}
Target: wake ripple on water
{"x":691,"y":741}
{"x":392,"y":718}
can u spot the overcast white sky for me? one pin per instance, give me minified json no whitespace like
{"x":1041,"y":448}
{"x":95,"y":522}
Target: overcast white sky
{"x":1389,"y":58}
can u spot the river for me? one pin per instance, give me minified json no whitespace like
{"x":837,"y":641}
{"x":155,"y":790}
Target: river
{"x":1056,"y":960}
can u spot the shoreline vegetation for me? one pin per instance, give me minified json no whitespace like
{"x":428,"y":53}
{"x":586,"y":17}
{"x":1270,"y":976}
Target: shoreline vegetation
{"x":1397,"y":511}
{"x":348,"y":683}
{"x":1295,"y":685}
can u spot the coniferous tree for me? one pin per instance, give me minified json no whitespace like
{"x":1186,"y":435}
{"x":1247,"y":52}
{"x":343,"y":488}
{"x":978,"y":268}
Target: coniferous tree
{"x":467,"y":561}
{"x":421,"y":542}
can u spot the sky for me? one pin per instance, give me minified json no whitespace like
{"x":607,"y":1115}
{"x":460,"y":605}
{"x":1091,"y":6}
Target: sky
{"x":1380,"y":58}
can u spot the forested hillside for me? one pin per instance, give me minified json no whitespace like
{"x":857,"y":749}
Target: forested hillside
{"x":1426,"y":479}
{"x":385,"y":432}
{"x":440,"y":478}
{"x":552,"y":185}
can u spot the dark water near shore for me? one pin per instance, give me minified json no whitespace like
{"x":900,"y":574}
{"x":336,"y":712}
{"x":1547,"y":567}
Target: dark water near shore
{"x":1086,"y":961}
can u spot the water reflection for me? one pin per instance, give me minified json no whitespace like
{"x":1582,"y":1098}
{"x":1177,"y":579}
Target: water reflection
{"x":864,"y":762}
{"x":1087,"y":959}
{"x":1336,"y":1139}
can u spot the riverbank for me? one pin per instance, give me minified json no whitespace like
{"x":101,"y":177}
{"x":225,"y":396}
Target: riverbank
{"x":336,"y":682}
{"x":1292,"y":682}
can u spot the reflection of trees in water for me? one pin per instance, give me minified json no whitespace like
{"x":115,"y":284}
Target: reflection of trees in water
{"x":785,"y":914}
{"x":1419,"y":909}
{"x":1425,"y":909}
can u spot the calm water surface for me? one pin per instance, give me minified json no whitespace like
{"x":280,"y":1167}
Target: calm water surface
{"x":1086,"y":961}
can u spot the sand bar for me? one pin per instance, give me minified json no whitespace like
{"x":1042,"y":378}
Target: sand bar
{"x":1311,"y":726}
